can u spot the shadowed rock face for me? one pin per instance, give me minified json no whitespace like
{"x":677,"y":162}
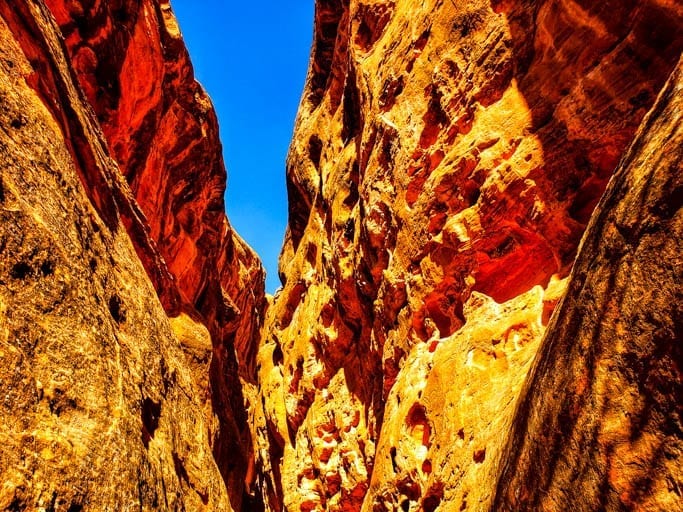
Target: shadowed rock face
{"x":599,"y":422}
{"x":446,"y":160}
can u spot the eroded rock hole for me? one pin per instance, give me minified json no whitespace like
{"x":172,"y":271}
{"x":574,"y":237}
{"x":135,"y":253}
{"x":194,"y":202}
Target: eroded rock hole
{"x":18,"y":122}
{"x":17,"y":505}
{"x":373,"y":21}
{"x":299,"y":207}
{"x":351,"y":122}
{"x":417,"y":423}
{"x":430,"y":503}
{"x":293,"y":300}
{"x":120,"y":15}
{"x":116,"y":309}
{"x":473,"y":196}
{"x":504,"y":248}
{"x":392,"y":453}
{"x":312,"y":254}
{"x":468,"y":23}
{"x":151,"y":412}
{"x":21,"y":270}
{"x":421,"y":41}
{"x":47,"y":268}
{"x":409,"y":488}
{"x":349,"y":230}
{"x":297,"y":374}
{"x":435,"y":119}
{"x":60,"y":403}
{"x":315,"y":149}
{"x":391,"y":90}
{"x":354,"y":177}
{"x":278,"y":357}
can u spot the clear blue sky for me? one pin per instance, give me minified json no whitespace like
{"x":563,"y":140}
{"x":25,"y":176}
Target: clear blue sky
{"x":252,"y":59}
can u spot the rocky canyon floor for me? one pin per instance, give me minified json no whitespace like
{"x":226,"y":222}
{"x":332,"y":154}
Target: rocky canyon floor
{"x":481,"y":300}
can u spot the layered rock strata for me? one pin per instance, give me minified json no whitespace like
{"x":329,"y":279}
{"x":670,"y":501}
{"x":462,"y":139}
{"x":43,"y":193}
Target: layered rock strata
{"x":446,"y":160}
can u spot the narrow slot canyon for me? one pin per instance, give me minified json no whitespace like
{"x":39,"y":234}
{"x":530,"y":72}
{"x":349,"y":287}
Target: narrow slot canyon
{"x":480,"y":278}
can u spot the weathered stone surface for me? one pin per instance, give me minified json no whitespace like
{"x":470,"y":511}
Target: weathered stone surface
{"x":99,"y":409}
{"x":130,"y":60}
{"x":599,"y":426}
{"x":446,"y":160}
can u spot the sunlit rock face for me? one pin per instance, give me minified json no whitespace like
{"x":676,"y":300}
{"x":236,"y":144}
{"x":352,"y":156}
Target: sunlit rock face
{"x":446,"y":160}
{"x":123,"y":83}
{"x":436,"y":346}
{"x":100,"y":408}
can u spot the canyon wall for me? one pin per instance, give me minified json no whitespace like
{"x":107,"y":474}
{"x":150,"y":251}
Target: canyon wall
{"x":131,"y":62}
{"x":599,"y":425}
{"x":99,"y":408}
{"x":129,"y":308}
{"x":446,"y":160}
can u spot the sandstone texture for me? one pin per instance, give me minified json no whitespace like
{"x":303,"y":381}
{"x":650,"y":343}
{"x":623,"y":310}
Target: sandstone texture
{"x":600,"y":425}
{"x":481,"y":274}
{"x":446,"y":160}
{"x":100,"y":410}
{"x":129,"y":59}
{"x":106,"y":114}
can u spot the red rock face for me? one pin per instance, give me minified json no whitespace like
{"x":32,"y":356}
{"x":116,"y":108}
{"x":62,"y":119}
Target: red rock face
{"x":101,"y":409}
{"x":103,"y":187}
{"x":130,"y":61}
{"x":160,"y":125}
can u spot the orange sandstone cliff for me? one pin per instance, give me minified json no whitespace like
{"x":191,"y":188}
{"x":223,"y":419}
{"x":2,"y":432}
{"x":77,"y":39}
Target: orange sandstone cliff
{"x":110,"y":142}
{"x":481,"y":274}
{"x":598,"y":425}
{"x":446,"y":160}
{"x":131,"y":63}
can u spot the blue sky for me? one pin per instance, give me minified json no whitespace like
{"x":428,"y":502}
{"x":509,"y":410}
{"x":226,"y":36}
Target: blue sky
{"x":252,"y":59}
